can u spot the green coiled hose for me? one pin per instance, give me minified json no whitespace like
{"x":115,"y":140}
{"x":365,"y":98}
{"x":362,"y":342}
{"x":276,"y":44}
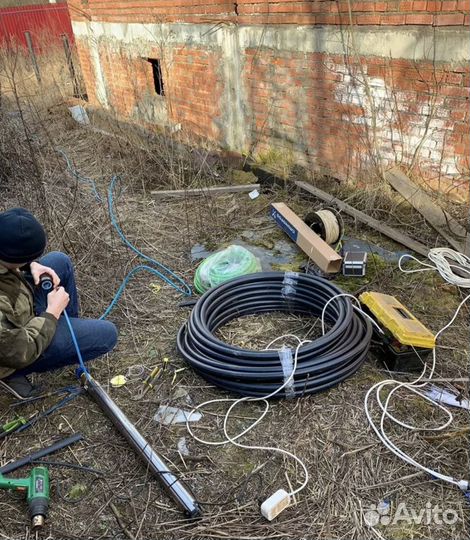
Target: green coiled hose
{"x":232,"y":262}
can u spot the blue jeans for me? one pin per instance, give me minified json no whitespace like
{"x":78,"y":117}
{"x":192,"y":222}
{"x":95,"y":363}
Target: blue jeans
{"x":94,"y":337}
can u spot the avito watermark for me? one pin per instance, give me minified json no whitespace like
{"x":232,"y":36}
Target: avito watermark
{"x":386,"y":514}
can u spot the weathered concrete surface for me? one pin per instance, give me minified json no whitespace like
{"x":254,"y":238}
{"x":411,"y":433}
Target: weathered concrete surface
{"x":412,"y":43}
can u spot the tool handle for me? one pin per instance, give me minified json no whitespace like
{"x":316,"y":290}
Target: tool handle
{"x":152,"y":375}
{"x":40,"y":453}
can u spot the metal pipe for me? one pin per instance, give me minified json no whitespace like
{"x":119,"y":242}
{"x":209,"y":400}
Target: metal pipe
{"x":70,"y":65}
{"x":175,"y":488}
{"x":40,"y":453}
{"x":32,"y":54}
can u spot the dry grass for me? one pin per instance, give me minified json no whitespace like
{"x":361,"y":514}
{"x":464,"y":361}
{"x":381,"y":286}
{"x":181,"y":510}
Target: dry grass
{"x":349,"y":468}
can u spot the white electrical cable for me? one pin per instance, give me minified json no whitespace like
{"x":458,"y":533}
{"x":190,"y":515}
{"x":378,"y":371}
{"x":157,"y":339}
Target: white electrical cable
{"x":440,"y":257}
{"x":357,"y":308}
{"x":235,"y":402}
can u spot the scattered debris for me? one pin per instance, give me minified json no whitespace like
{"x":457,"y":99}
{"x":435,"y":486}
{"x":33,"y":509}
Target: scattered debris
{"x":441,"y":395}
{"x":155,"y":287}
{"x":183,"y":447}
{"x":180,"y":392}
{"x":253,"y":194}
{"x":117,"y":381}
{"x":79,"y":114}
{"x":135,"y":372}
{"x":172,"y":415}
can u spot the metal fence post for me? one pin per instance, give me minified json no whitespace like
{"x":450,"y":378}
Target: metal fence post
{"x":73,"y":73}
{"x":32,"y":55}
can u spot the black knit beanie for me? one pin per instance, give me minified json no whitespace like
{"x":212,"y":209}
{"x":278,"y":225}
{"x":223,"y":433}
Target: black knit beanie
{"x":22,"y":237}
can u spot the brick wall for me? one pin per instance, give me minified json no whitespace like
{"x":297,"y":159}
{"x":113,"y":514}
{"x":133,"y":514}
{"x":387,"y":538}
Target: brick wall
{"x":370,"y":12}
{"x":260,"y":89}
{"x":317,"y":106}
{"x":195,"y":87}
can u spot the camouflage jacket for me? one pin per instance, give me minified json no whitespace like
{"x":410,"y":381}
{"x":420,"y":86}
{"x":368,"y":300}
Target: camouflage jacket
{"x":23,"y":336}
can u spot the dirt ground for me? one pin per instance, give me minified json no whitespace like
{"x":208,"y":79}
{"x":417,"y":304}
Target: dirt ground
{"x":350,"y":470}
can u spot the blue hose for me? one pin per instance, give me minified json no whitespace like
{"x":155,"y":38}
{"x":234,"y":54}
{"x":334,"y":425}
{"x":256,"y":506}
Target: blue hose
{"x":174,"y":281}
{"x":158,"y":269}
{"x":82,"y":179}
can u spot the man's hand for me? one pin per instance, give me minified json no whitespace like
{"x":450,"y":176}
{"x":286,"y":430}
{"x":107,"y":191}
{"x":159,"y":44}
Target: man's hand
{"x":38,"y":269}
{"x":57,"y":301}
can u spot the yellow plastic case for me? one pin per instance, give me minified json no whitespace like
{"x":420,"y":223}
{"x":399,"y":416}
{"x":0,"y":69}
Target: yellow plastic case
{"x":394,"y":316}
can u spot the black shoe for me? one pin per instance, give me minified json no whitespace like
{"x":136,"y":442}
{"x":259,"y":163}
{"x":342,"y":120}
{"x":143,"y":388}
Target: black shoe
{"x":20,"y":386}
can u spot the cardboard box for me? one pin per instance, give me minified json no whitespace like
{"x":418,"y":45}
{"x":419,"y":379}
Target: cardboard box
{"x":323,"y":255}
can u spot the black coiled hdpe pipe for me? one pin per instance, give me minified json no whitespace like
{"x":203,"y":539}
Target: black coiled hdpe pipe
{"x":322,"y":363}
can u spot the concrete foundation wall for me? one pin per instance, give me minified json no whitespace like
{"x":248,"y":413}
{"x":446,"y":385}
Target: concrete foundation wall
{"x":336,"y":100}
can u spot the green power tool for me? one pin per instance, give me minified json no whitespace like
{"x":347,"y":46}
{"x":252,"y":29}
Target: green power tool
{"x":37,"y":493}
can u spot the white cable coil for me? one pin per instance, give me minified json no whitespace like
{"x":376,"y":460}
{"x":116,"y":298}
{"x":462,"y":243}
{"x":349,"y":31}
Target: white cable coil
{"x":442,"y":257}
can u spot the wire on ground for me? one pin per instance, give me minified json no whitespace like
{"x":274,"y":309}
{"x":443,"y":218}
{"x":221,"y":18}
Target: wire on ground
{"x":441,"y":259}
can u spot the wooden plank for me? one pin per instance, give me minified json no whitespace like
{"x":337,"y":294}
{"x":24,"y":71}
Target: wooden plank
{"x":216,"y":190}
{"x":392,"y":233}
{"x":438,"y":218}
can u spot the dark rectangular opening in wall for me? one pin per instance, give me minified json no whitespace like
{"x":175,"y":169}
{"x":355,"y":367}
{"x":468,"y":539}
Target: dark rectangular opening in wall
{"x":157,"y":76}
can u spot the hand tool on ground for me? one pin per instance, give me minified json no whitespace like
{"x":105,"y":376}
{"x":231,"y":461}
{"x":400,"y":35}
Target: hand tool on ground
{"x":72,"y":394}
{"x":36,"y":486}
{"x":12,"y":426}
{"x":59,"y":391}
{"x":151,"y":379}
{"x":10,"y":467}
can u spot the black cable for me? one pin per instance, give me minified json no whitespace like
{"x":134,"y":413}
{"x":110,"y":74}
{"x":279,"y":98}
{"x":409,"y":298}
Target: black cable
{"x":68,"y":466}
{"x":322,"y":363}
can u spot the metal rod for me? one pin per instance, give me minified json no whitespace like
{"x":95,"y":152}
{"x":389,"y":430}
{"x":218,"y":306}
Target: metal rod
{"x":40,"y":453}
{"x":175,"y":488}
{"x":70,"y":65}
{"x":32,"y":54}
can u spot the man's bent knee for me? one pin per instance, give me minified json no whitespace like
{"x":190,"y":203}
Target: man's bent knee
{"x":109,"y":335}
{"x":61,"y":257}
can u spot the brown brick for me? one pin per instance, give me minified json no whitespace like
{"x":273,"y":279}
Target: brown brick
{"x":380,"y":6}
{"x":368,"y":19}
{"x":392,"y":19}
{"x":419,"y":5}
{"x":415,"y":18}
{"x":433,"y":5}
{"x":449,"y":5}
{"x":453,"y":78}
{"x":406,"y":5}
{"x":449,"y":19}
